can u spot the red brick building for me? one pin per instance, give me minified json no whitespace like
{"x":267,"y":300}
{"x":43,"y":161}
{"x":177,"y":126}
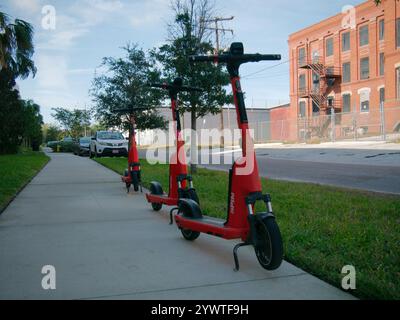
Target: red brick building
{"x":349,"y":63}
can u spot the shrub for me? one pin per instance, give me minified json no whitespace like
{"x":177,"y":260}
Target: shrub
{"x":63,"y":146}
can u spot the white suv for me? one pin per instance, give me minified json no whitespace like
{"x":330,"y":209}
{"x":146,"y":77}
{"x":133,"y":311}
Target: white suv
{"x":108,"y":143}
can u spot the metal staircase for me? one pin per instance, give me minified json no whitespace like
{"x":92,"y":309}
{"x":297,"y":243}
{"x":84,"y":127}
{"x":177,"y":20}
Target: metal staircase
{"x":327,"y":77}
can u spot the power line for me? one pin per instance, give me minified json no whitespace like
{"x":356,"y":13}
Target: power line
{"x":265,"y":69}
{"x":217,"y":30}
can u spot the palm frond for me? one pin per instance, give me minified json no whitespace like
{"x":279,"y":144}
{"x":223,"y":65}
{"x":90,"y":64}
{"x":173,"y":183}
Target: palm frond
{"x":16,"y":46}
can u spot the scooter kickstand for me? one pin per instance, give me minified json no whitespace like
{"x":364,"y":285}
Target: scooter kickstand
{"x":235,"y":254}
{"x":171,"y":215}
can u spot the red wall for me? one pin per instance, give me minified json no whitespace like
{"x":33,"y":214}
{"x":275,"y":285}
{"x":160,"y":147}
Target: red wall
{"x":281,"y":125}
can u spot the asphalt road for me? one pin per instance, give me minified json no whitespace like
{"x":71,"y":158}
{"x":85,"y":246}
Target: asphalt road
{"x":355,"y":169}
{"x":106,"y":244}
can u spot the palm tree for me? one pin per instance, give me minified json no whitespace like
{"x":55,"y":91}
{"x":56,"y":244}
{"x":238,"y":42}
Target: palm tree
{"x":16,"y":47}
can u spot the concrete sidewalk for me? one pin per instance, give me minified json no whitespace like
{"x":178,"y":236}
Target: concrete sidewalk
{"x":105,"y":244}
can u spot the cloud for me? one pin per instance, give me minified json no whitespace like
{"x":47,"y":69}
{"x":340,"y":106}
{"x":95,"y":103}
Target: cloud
{"x":68,"y":29}
{"x":94,"y":12}
{"x":145,"y":13}
{"x":30,"y":6}
{"x":52,"y":72}
{"x":76,"y":21}
{"x":82,"y":71}
{"x":106,"y":5}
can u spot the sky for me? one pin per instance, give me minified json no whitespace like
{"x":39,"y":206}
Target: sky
{"x":69,"y":49}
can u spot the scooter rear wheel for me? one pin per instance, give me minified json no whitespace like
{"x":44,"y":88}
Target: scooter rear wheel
{"x":190,"y":235}
{"x":269,"y":247}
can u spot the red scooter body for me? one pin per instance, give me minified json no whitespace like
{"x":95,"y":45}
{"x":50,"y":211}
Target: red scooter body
{"x":241,"y":185}
{"x":178,"y":172}
{"x":132,"y":175}
{"x":244,"y":185}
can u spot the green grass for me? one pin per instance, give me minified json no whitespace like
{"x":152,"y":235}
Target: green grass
{"x":16,"y":171}
{"x":323,"y":228}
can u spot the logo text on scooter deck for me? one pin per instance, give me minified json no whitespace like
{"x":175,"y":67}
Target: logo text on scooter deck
{"x":232,"y":204}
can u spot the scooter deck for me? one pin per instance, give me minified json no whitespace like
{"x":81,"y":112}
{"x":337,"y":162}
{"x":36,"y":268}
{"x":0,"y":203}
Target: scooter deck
{"x":212,"y":226}
{"x":162,"y":199}
{"x":210,"y":220}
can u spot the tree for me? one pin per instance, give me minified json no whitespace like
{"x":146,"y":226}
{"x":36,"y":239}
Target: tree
{"x":32,"y":124}
{"x":16,"y":47}
{"x":74,"y":121}
{"x":51,"y":132}
{"x":189,"y":36}
{"x":11,"y":115}
{"x":124,"y":86}
{"x":16,"y":50}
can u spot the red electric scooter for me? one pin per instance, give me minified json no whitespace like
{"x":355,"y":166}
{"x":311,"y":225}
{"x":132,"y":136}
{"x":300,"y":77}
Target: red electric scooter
{"x":257,"y":229}
{"x":132,"y":175}
{"x":180,"y":183}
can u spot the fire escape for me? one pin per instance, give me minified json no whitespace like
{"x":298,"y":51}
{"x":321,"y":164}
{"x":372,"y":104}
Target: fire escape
{"x":324,"y":78}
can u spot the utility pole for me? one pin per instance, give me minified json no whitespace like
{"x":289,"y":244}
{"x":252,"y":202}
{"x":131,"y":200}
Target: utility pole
{"x":217,"y":30}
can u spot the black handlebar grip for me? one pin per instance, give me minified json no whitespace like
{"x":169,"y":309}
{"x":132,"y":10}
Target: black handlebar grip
{"x":241,"y":58}
{"x":158,"y":85}
{"x":178,"y":88}
{"x":190,"y":89}
{"x":193,"y":59}
{"x":266,"y":57}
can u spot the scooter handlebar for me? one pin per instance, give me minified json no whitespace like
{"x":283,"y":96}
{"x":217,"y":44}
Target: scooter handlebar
{"x":157,"y":85}
{"x":127,"y":110}
{"x":232,"y":58}
{"x":166,"y":86}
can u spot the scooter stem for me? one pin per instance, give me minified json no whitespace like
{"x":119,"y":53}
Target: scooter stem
{"x":242,"y":120}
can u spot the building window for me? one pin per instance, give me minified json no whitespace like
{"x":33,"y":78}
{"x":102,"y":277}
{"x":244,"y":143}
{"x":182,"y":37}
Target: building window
{"x":365,"y":106}
{"x":346,"y":72}
{"x":346,"y":41}
{"x":364,"y":36}
{"x":364,"y":68}
{"x":302,"y":56}
{"x":346,"y":103}
{"x":398,"y":32}
{"x":315,"y":56}
{"x":382,"y":64}
{"x":315,"y":109}
{"x":398,"y":83}
{"x":330,"y":101}
{"x":316,"y":82}
{"x":364,"y":101}
{"x":302,"y":82}
{"x":381,"y":95}
{"x":302,"y":109}
{"x":329,"y":47}
{"x":381,"y":30}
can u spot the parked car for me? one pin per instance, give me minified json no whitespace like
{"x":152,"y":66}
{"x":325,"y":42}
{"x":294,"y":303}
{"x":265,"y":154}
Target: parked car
{"x":52,"y":143}
{"x":108,"y":143}
{"x":68,"y":139}
{"x":82,"y":146}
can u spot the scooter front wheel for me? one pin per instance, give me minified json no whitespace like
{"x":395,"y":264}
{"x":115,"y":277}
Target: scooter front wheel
{"x":192,"y":194}
{"x":156,"y":189}
{"x":135,"y":181}
{"x":269,"y":247}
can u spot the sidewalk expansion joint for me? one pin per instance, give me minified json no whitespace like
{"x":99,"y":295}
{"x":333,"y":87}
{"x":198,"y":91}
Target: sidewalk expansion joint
{"x":195,"y":287}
